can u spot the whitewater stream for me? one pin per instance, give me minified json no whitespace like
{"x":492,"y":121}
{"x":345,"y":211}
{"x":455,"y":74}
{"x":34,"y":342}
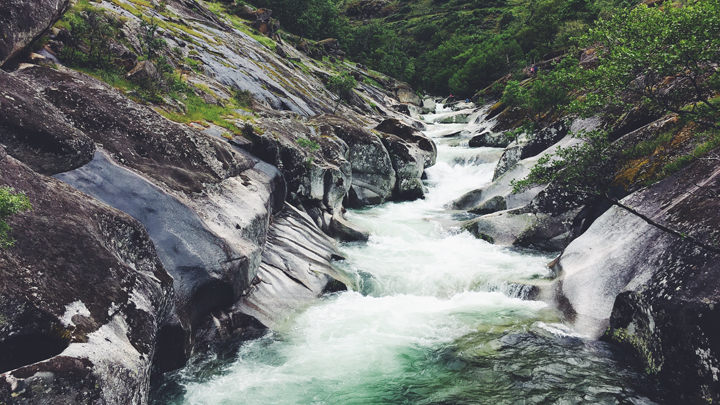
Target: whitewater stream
{"x":436,"y":317}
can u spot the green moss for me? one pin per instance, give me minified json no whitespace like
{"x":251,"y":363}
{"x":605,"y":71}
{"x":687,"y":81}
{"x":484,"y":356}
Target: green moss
{"x":622,"y":337}
{"x":646,"y":148}
{"x":712,"y":141}
{"x":198,"y":111}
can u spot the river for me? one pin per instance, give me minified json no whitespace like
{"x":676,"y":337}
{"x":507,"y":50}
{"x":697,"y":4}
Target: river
{"x":436,"y":317}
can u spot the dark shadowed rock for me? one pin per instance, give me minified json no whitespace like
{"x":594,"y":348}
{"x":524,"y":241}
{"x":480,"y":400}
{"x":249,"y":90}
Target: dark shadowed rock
{"x":488,"y":139}
{"x":411,"y":135}
{"x":83,"y":298}
{"x":24,"y":21}
{"x":38,"y":133}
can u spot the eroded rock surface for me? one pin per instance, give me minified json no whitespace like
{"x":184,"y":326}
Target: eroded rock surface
{"x":83,"y":298}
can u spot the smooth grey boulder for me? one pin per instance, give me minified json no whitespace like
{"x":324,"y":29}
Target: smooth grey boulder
{"x":467,"y":200}
{"x":408,"y":163}
{"x":651,"y":283}
{"x":211,"y":245}
{"x":428,"y":106}
{"x":494,"y":204}
{"x":24,"y":21}
{"x":83,"y":299}
{"x":346,"y":231}
{"x":373,"y":175}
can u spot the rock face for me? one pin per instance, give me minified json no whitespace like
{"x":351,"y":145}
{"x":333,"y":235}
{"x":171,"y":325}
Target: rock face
{"x":488,"y":139}
{"x":37,"y":132}
{"x":81,"y":326}
{"x":653,"y":290}
{"x":23,"y":21}
{"x":296,"y":267}
{"x":373,"y":175}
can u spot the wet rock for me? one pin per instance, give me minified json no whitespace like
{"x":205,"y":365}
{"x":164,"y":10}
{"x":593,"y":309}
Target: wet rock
{"x":494,"y":204}
{"x":36,"y":132}
{"x":653,"y":281}
{"x":467,"y":200}
{"x":83,"y":298}
{"x":408,"y":164}
{"x":24,"y":21}
{"x":346,"y":231}
{"x":425,"y":145}
{"x":489,"y":139}
{"x":429,"y":106}
{"x":296,"y":268}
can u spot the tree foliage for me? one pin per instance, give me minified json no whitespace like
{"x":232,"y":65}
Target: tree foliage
{"x":11,"y":203}
{"x":342,"y":85}
{"x":315,"y":19}
{"x":89,"y":44}
{"x":665,"y":57}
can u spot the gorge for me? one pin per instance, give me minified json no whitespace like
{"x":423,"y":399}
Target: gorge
{"x":210,"y":223}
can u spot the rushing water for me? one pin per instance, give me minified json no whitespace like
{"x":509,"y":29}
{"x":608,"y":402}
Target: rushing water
{"x":435,"y":318}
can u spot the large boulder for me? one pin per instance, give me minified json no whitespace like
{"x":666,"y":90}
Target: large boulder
{"x":205,"y":205}
{"x":409,"y":166}
{"x":83,"y":300}
{"x":645,"y":274}
{"x":530,"y":146}
{"x":426,"y":146}
{"x":373,"y":175}
{"x":314,"y":164}
{"x":22,"y":22}
{"x":488,"y":139}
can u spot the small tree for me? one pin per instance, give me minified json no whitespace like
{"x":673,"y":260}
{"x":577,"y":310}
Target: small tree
{"x":11,"y":203}
{"x":149,"y":42}
{"x":342,"y":85}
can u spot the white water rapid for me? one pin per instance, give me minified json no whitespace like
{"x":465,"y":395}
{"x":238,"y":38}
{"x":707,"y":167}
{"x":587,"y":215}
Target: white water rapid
{"x":436,"y":318}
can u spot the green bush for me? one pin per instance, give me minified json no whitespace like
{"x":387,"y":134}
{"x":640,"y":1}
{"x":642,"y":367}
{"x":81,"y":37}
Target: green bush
{"x":11,"y":203}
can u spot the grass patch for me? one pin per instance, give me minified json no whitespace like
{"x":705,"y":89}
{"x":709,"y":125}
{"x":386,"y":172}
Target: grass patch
{"x":647,"y":148}
{"x":198,"y":110}
{"x":712,"y":141}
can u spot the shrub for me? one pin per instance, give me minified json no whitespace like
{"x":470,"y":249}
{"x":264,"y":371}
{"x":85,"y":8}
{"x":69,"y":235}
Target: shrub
{"x":11,"y":203}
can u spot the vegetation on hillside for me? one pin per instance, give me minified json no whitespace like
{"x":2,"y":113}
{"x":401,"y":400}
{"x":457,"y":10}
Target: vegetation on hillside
{"x":11,"y":203}
{"x":442,"y":47}
{"x":664,"y":59}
